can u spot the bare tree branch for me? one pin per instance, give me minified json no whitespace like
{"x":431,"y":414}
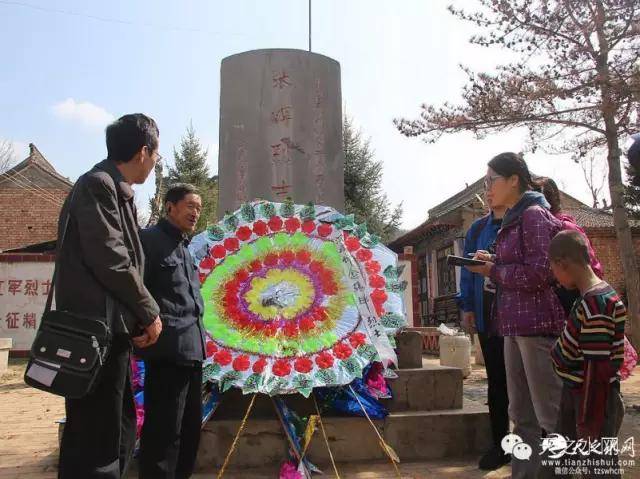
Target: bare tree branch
{"x":576,"y":68}
{"x":7,"y":156}
{"x":595,"y":175}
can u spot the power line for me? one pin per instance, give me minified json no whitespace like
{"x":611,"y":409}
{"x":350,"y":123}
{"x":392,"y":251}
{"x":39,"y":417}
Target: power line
{"x":34,"y":185}
{"x":21,"y":185}
{"x":115,"y":20}
{"x":24,"y":179}
{"x":31,"y":189}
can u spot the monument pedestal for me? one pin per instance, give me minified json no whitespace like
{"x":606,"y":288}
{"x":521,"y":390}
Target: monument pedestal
{"x":428,"y":419}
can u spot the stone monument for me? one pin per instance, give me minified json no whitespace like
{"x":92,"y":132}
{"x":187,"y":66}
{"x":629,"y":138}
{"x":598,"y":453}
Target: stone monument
{"x":280,"y":129}
{"x":281,"y":136}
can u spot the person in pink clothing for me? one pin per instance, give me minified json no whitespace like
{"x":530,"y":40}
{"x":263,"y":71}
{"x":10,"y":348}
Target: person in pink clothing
{"x":552,"y":194}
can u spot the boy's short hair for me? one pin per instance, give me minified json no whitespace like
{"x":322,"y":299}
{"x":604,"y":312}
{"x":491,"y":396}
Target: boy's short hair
{"x":178,"y":191}
{"x":128,"y":134}
{"x":570,"y":245}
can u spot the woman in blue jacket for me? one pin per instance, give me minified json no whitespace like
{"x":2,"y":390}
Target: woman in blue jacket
{"x":477,"y":295}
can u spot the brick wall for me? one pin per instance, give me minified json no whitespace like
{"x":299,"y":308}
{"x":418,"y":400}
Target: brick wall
{"x":606,"y":247}
{"x":28,"y":218}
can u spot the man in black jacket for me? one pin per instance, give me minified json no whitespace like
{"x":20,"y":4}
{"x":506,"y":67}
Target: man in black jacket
{"x":173,"y":366}
{"x":99,"y":273}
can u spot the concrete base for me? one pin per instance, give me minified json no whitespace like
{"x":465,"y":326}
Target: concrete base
{"x":425,"y":389}
{"x":428,"y":420}
{"x":409,"y":349}
{"x":437,"y":434}
{"x":455,"y":351}
{"x":5,"y":346}
{"x":415,"y":435}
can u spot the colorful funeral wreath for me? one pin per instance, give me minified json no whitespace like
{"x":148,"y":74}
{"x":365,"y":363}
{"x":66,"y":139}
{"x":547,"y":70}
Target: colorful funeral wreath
{"x":296,"y":297}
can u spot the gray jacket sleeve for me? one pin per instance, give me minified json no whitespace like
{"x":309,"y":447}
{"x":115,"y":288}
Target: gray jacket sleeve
{"x":103,"y":248}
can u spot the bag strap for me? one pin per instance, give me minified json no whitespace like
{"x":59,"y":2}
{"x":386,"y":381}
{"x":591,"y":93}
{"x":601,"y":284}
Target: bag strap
{"x":65,"y":228}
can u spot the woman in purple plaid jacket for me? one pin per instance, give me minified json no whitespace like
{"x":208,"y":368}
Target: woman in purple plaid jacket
{"x":527,"y":311}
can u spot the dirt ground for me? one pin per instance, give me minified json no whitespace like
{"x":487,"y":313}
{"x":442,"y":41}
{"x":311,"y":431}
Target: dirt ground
{"x":29,"y":435}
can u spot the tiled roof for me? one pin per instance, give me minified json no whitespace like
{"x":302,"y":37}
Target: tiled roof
{"x":458,"y":200}
{"x":472,"y":191}
{"x":591,"y":217}
{"x":425,"y":229}
{"x":584,"y":215}
{"x":595,"y":218}
{"x":38,"y":161}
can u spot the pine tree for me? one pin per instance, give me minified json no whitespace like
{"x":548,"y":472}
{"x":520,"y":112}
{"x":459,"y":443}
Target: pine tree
{"x":190,"y":161}
{"x":155,"y":203}
{"x":363,"y":193}
{"x":190,"y":166}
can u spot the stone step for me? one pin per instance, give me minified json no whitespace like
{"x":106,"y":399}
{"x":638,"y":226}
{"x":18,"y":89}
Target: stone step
{"x":426,"y":389}
{"x":430,"y":388}
{"x":414,"y":435}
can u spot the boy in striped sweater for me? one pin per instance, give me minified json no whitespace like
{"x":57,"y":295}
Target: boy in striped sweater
{"x":588,"y":354}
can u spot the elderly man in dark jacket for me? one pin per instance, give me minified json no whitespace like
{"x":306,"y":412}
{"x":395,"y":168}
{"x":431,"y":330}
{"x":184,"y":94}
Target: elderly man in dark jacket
{"x":173,"y":366}
{"x":100,"y":267}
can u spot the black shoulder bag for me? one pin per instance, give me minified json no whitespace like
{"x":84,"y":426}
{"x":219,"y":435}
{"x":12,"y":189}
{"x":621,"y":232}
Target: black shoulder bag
{"x":69,"y":349}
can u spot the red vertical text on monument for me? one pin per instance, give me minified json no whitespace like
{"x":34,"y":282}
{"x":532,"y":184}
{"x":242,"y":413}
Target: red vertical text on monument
{"x":281,"y":80}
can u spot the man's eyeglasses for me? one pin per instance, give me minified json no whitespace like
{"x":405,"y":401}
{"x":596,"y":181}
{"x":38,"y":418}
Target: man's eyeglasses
{"x":490,"y":180}
{"x":158,"y":156}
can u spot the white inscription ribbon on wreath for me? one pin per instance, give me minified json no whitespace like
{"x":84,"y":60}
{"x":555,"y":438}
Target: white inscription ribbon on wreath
{"x":366,"y":309}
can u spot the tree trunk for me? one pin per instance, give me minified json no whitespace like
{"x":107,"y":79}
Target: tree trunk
{"x":156,"y":202}
{"x":625,"y":242}
{"x":616,"y":187}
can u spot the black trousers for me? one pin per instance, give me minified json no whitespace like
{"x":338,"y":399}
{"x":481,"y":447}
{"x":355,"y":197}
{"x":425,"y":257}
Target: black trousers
{"x":100,"y":431}
{"x":172,"y":419}
{"x":493,"y":353}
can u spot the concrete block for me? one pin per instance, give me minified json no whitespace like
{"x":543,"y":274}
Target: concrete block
{"x":5,"y":346}
{"x":420,"y":435}
{"x":428,"y":389}
{"x":350,"y":438}
{"x":414,"y":435}
{"x":261,"y":442}
{"x":455,"y":351}
{"x":409,"y":349}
